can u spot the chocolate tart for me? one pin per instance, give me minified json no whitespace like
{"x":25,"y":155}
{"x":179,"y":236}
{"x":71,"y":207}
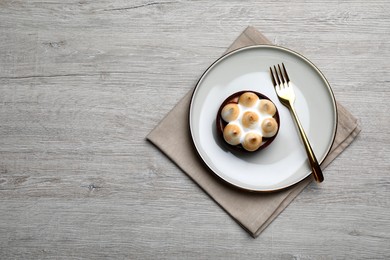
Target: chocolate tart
{"x":221,"y":124}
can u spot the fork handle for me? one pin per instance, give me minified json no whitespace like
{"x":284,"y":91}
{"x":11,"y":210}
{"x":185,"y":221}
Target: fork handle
{"x":317,"y":172}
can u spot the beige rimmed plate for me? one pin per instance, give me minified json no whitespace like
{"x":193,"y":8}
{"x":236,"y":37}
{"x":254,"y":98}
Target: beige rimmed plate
{"x":284,"y":162}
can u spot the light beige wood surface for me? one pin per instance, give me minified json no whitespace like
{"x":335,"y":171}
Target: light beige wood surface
{"x":83,"y":82}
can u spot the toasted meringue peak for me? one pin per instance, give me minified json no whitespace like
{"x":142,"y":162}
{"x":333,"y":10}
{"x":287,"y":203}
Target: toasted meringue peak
{"x":248,"y":99}
{"x":267,"y":107}
{"x":269,"y":127}
{"x":232,"y":134}
{"x":230,"y":112}
{"x":252,"y":141}
{"x":250,"y":119}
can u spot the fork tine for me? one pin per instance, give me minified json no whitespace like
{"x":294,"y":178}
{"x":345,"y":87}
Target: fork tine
{"x":272,"y":76}
{"x":285,"y":73}
{"x":281,"y":75}
{"x":277,"y":76}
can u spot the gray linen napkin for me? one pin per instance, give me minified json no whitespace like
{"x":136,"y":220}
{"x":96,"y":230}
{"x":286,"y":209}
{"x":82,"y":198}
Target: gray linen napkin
{"x":253,"y":211}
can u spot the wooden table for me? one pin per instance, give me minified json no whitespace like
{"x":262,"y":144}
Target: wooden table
{"x":83,"y":82}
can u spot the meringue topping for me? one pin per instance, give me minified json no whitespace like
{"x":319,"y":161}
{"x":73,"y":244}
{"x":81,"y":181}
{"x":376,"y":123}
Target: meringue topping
{"x":230,"y":112}
{"x":248,"y":99}
{"x":252,"y":141}
{"x":232,"y":134}
{"x":269,"y":127}
{"x":267,"y":107}
{"x":249,"y":121}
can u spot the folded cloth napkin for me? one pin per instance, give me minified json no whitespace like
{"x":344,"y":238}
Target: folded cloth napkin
{"x":253,"y":211}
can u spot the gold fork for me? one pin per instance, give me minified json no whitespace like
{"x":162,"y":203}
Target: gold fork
{"x":286,"y":95}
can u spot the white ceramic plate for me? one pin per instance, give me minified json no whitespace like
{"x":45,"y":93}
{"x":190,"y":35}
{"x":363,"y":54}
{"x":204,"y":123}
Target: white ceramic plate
{"x":284,"y":162}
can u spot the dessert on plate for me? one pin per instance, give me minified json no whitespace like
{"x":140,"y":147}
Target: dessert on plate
{"x":247,"y":121}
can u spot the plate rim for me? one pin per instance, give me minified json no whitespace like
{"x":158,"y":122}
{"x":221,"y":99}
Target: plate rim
{"x":260,"y":46}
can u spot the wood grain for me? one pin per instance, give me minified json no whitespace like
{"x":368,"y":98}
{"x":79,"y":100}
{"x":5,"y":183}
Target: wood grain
{"x":83,"y":82}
